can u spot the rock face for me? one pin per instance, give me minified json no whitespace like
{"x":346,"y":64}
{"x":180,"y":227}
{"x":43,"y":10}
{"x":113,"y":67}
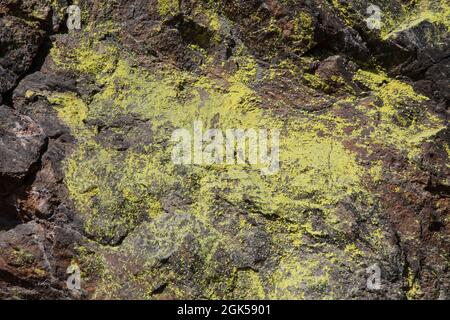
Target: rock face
{"x":86,"y":171}
{"x":22,"y":142}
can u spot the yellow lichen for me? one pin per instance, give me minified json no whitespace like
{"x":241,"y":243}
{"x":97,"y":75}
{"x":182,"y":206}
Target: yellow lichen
{"x":433,"y":11}
{"x":303,"y":33}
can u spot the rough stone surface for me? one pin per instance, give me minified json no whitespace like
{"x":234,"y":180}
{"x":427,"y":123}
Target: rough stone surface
{"x":86,"y":176}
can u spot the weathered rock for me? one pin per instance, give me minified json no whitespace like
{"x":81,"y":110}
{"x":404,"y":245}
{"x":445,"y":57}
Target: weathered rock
{"x":22,"y":142}
{"x":425,"y":48}
{"x":31,"y":266}
{"x":19,"y":43}
{"x":363,"y":180}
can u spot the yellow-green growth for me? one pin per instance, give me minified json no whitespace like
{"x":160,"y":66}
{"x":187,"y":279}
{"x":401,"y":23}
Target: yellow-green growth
{"x":23,"y":258}
{"x":168,"y":6}
{"x":71,"y":109}
{"x":84,"y":59}
{"x":303,"y":34}
{"x":122,"y":191}
{"x":249,"y":286}
{"x":316,"y":82}
{"x":414,"y":291}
